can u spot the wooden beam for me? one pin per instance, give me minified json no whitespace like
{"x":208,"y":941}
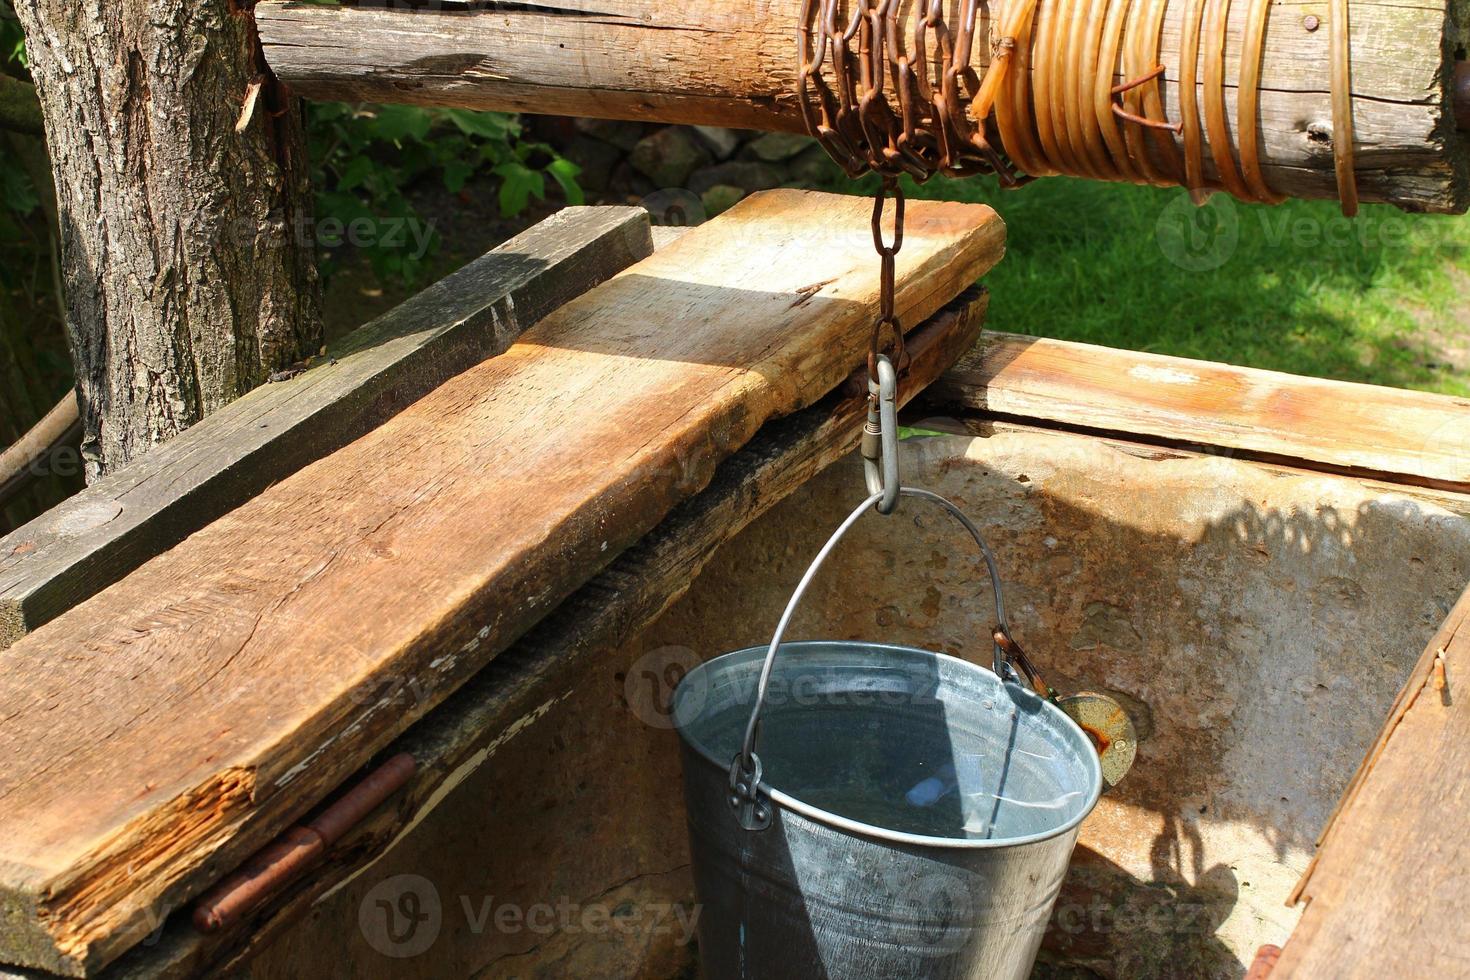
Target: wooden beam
{"x":459,"y":736}
{"x":99,"y":535}
{"x":1387,"y":889}
{"x":733,"y":64}
{"x":20,"y":460}
{"x":214,"y":693}
{"x":1387,"y":434}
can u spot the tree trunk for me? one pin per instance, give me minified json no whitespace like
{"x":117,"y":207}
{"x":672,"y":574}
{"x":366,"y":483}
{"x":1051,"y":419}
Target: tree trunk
{"x":188,"y":265}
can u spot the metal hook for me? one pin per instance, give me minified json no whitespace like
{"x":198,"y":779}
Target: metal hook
{"x":880,"y":437}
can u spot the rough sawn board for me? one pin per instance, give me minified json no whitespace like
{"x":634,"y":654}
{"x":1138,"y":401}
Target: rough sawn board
{"x":158,"y":733}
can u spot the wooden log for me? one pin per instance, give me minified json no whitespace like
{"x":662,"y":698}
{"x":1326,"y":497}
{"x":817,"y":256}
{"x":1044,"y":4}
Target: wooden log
{"x":459,"y":736}
{"x":210,"y":696}
{"x":1387,"y":888}
{"x":1388,"y":434}
{"x":733,"y":64}
{"x":99,"y":535}
{"x":20,"y":461}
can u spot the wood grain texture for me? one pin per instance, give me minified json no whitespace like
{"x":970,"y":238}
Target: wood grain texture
{"x":733,"y":64}
{"x":1364,"y":430}
{"x":222,"y":687}
{"x":99,"y":535}
{"x":1389,"y":890}
{"x":461,"y":735}
{"x":186,"y":251}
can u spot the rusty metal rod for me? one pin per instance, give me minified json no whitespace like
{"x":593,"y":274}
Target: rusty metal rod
{"x":293,"y":853}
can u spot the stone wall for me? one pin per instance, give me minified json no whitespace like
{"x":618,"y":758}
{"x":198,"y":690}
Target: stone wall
{"x":683,"y":174}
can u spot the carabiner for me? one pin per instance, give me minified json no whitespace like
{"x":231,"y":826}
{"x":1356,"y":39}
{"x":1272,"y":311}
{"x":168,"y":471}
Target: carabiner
{"x":880,"y":436}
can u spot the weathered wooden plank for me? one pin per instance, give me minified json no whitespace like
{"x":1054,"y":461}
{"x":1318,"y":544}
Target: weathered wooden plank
{"x":216,"y":691}
{"x":1387,"y":889}
{"x":460,"y":735}
{"x":979,"y":425}
{"x":101,"y":534}
{"x":1365,"y":430}
{"x":734,"y":64}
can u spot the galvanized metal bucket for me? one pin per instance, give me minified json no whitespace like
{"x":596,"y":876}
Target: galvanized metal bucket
{"x":909,"y":814}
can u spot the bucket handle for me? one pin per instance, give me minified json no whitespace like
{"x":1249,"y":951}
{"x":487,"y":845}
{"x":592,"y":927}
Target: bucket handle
{"x":746,"y":772}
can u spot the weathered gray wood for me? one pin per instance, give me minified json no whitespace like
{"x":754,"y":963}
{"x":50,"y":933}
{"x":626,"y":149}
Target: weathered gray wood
{"x":733,"y":64}
{"x":450,"y":742}
{"x":101,"y":534}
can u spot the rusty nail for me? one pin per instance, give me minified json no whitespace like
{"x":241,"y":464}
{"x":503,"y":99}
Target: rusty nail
{"x":1311,"y":22}
{"x":290,"y":855}
{"x":1441,"y":680}
{"x":1127,"y":116}
{"x":1149,"y":76}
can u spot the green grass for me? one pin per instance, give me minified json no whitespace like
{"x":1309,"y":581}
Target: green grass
{"x":1381,"y":299}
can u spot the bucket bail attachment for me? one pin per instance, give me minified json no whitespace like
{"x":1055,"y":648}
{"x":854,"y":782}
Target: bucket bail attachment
{"x":752,"y":812}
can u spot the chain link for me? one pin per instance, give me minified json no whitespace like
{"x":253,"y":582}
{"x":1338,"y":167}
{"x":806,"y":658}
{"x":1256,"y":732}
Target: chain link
{"x":851,"y":113}
{"x":888,"y":260}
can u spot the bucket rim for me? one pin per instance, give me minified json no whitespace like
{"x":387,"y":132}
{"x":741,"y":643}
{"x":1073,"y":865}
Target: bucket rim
{"x":848,"y":825}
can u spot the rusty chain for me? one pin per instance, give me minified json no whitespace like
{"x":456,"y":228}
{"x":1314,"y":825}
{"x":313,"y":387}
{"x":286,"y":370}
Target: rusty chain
{"x":851,"y":113}
{"x":845,"y":102}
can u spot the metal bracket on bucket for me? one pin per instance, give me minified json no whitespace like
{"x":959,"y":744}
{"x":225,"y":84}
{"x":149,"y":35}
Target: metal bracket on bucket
{"x":751,"y":811}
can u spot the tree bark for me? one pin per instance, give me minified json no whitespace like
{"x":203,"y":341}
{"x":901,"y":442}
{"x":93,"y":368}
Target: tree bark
{"x":189,"y":273}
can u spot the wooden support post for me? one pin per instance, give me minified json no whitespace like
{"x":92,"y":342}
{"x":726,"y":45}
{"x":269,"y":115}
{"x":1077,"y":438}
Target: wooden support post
{"x":101,"y":534}
{"x":734,"y":63}
{"x":222,"y":687}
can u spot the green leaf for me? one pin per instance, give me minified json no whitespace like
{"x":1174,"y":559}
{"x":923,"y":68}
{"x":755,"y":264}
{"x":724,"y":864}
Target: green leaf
{"x":17,"y":193}
{"x":456,"y":172}
{"x":358,"y":169}
{"x":488,"y":125}
{"x":518,"y":183}
{"x":395,"y":123}
{"x":565,"y":172}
